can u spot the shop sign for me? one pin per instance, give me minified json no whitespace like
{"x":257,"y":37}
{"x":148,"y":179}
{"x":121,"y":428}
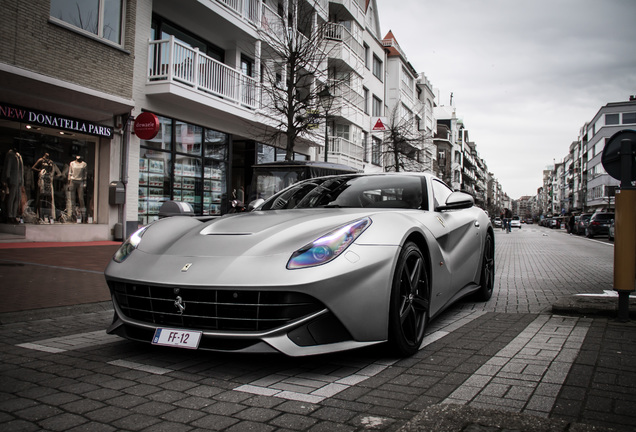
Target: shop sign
{"x":41,"y":118}
{"x":146,"y":126}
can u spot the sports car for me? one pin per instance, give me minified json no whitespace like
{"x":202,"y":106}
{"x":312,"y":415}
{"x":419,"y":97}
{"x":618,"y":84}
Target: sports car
{"x":327,"y":264}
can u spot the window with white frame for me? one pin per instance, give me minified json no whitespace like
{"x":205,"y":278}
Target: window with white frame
{"x":342,"y":131}
{"x":365,"y":145}
{"x":407,"y":80}
{"x":629,"y":118}
{"x":377,"y":67}
{"x":611,"y":119}
{"x":101,"y":18}
{"x":376,"y":151}
{"x":377,"y":107}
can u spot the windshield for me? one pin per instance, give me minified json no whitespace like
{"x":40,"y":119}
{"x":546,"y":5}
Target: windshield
{"x":380,"y":191}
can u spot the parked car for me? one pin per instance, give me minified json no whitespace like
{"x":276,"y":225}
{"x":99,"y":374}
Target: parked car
{"x":555,"y":222}
{"x":327,"y":264}
{"x":599,"y":224}
{"x":497,"y":222}
{"x":610,"y":231}
{"x":515,"y":222}
{"x":529,"y":221}
{"x":581,"y":223}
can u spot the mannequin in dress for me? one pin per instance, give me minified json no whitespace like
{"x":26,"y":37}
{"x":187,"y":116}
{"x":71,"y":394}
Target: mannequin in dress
{"x":47,"y":170}
{"x":76,"y":184}
{"x":13,"y":177}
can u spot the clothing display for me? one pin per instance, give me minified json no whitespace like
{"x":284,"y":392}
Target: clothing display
{"x":13,"y":176}
{"x":45,"y":200}
{"x":76,"y":184}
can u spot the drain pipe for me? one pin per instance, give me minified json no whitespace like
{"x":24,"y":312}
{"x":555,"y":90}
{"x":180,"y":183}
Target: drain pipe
{"x":124,"y":169}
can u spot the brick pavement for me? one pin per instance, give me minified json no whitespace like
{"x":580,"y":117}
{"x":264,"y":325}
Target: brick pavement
{"x":38,"y":276}
{"x":508,"y":364}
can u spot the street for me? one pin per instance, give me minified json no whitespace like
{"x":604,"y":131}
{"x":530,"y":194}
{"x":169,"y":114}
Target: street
{"x":511,"y":355}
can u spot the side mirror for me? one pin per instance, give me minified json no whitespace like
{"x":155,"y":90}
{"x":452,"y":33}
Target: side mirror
{"x":456,"y":201}
{"x":256,"y":203}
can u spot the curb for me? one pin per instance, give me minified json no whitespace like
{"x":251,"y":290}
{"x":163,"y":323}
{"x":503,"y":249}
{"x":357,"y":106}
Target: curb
{"x":606,"y":306}
{"x":460,"y":418}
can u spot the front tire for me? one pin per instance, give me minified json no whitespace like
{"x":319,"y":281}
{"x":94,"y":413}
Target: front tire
{"x":487,"y":278}
{"x":409,"y":303}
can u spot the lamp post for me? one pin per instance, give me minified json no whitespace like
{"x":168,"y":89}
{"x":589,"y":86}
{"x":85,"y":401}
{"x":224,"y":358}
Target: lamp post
{"x":325,"y":100}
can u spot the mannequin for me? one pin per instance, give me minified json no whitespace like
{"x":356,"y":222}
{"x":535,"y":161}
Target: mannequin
{"x":76,"y":184}
{"x":46,"y":170}
{"x":13,"y":176}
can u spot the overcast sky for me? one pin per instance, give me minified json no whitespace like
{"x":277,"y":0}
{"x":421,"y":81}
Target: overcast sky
{"x":525,"y":75}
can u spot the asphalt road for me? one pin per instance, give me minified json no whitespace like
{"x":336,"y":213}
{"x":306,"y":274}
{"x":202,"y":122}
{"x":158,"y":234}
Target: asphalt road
{"x":507,"y":363}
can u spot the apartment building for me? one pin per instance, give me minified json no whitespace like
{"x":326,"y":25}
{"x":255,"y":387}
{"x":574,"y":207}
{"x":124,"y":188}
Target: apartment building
{"x":579,"y":183}
{"x":409,"y":102}
{"x":66,"y":90}
{"x":610,"y":119}
{"x":447,"y":140}
{"x":109,"y":110}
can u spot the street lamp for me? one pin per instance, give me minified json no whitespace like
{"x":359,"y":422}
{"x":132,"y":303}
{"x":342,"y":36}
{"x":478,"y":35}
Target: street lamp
{"x":325,"y":100}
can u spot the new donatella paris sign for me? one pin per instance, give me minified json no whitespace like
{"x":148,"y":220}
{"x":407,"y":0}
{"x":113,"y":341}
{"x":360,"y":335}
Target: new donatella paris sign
{"x":41,"y":118}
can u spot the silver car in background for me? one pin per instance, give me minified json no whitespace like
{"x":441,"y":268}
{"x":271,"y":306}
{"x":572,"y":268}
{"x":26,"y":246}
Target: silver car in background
{"x":327,"y":264}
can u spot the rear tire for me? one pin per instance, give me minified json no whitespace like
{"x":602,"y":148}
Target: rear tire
{"x":409,"y":302}
{"x":487,"y":278}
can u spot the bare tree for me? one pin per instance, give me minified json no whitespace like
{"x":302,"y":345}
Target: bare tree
{"x":295,"y":74}
{"x":404,"y":144}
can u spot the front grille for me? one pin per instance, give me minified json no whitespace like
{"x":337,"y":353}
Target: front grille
{"x":211,"y":309}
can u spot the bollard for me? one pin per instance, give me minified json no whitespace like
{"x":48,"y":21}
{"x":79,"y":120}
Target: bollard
{"x":625,"y":249}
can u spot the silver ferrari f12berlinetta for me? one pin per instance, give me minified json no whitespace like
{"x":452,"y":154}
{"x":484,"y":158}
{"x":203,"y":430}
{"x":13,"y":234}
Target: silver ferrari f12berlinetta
{"x":327,"y":264}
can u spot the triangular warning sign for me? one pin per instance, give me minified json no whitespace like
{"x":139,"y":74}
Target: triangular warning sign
{"x":379,"y":125}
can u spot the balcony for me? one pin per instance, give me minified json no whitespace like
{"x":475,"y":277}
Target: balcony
{"x":341,"y":45}
{"x":345,"y":152}
{"x":347,"y":102}
{"x":245,"y":9}
{"x":172,"y":62}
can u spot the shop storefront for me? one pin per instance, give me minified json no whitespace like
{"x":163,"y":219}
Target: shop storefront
{"x":49,"y":166}
{"x":182,"y":162}
{"x":203,"y":167}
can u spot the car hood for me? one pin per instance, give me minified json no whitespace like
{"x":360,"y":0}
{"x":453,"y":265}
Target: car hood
{"x":244,"y":234}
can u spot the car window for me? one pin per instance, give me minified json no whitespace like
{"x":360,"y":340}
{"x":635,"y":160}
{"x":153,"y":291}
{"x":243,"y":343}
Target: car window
{"x":441,"y":192}
{"x":352,"y":191}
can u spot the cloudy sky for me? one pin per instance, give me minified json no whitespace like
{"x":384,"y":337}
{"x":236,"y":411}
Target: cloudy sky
{"x":525,"y":75}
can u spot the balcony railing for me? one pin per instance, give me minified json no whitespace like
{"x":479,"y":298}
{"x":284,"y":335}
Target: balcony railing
{"x":248,"y":9}
{"x":173,"y":61}
{"x":344,"y":93}
{"x":338,"y":32}
{"x":346,"y":152}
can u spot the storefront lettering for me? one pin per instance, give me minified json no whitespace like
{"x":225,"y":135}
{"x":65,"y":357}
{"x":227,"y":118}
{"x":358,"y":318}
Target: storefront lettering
{"x":12,"y":113}
{"x":54,"y":121}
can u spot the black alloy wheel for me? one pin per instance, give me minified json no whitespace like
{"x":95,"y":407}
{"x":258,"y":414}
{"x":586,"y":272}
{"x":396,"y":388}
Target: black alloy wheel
{"x":487,"y":278}
{"x":409,"y":309}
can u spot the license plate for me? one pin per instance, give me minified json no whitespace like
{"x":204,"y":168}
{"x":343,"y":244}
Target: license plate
{"x":177,"y":338}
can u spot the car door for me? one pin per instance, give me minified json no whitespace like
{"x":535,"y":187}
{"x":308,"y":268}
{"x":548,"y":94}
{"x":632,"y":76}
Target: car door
{"x":460,"y":241}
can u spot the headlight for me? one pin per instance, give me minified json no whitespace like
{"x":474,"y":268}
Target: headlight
{"x":329,"y":246}
{"x":129,"y":245}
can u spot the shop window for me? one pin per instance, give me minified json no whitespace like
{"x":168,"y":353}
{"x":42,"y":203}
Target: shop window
{"x":102,"y":18}
{"x":154,"y":183}
{"x":193,"y":170}
{"x":49,"y":176}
